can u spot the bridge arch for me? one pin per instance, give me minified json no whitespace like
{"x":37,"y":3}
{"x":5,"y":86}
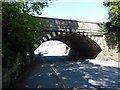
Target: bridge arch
{"x":81,"y":45}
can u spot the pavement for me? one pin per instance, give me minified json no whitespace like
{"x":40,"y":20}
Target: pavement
{"x":58,"y":72}
{"x":106,"y":63}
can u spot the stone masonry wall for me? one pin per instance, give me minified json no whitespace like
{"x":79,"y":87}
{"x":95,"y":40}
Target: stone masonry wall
{"x":106,"y":53}
{"x":11,"y":74}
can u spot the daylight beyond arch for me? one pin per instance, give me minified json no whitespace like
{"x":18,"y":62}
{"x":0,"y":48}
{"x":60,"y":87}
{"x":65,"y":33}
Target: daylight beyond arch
{"x":52,"y":48}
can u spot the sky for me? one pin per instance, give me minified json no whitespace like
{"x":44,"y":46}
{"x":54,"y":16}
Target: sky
{"x":81,"y":10}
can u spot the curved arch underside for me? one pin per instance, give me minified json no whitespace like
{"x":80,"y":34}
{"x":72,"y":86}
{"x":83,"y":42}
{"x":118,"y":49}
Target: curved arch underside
{"x":81,"y":46}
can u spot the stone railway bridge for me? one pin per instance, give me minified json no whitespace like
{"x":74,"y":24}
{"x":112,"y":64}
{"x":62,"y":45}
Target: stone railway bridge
{"x":84,"y":38}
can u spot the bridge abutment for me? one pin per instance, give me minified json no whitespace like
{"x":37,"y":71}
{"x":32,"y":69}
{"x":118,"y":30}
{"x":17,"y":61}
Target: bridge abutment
{"x":106,"y":53}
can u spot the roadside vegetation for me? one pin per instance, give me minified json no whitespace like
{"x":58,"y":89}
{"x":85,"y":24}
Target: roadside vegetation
{"x":112,"y":27}
{"x":19,"y":29}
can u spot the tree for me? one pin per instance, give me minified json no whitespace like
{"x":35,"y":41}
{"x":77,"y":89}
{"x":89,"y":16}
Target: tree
{"x":114,"y":12}
{"x":113,"y":26}
{"x":19,"y":27}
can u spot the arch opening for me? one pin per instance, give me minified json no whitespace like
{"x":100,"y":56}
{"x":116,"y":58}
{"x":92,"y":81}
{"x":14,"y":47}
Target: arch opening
{"x":81,"y":47}
{"x":52,"y":48}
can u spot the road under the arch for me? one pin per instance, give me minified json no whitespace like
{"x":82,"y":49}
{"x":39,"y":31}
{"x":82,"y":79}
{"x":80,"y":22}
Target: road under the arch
{"x":60,"y":72}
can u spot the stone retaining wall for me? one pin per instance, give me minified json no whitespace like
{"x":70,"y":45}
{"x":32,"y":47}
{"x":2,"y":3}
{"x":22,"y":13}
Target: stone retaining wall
{"x":106,"y":53}
{"x":11,"y":74}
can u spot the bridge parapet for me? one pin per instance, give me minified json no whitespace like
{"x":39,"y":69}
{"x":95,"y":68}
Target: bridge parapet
{"x":53,"y":23}
{"x":69,"y":25}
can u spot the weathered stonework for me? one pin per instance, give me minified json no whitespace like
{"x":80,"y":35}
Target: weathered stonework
{"x":106,"y":53}
{"x":58,"y":24}
{"x":11,"y":74}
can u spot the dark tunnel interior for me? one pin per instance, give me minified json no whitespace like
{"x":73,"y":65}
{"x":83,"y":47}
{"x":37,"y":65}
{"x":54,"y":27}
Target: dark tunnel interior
{"x":81,"y":46}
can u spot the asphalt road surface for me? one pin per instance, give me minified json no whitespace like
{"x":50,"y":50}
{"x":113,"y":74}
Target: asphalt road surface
{"x":60,"y":72}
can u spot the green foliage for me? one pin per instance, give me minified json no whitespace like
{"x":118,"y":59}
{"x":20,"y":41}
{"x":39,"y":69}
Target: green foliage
{"x":19,"y":27}
{"x":102,"y":27}
{"x":114,"y":12}
{"x":113,"y":27}
{"x":111,"y":40}
{"x":110,"y":35}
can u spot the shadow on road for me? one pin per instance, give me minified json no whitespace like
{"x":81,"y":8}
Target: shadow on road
{"x":73,"y":73}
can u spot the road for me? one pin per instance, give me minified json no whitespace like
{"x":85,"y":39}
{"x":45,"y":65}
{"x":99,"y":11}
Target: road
{"x":60,"y":72}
